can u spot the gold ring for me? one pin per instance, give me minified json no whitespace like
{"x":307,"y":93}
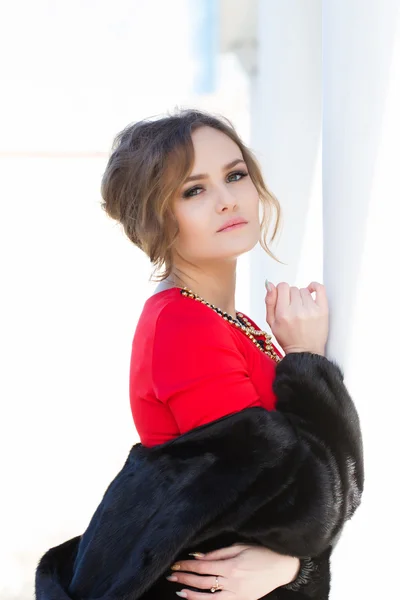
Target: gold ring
{"x":216,"y":586}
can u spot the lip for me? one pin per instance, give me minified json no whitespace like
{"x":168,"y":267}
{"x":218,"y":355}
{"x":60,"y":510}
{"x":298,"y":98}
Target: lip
{"x":231,"y":224}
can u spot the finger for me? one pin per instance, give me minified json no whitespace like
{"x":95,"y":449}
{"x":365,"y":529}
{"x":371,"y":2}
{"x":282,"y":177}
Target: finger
{"x":228,"y":552}
{"x":306,"y":297}
{"x":224,"y":595}
{"x":283,"y":296}
{"x":295,"y":296}
{"x":270,"y":303}
{"x":202,"y":567}
{"x":196,"y":581}
{"x":321,"y":299}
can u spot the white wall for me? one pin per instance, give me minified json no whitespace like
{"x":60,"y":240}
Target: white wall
{"x":286,"y":135}
{"x":361,"y":151}
{"x":360,"y":89}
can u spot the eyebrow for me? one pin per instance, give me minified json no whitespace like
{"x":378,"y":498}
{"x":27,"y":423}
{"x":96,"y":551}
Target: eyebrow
{"x":204,"y":176}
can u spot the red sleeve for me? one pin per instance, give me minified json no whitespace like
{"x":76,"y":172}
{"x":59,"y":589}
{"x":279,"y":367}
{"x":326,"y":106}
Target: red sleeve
{"x":197,"y":369}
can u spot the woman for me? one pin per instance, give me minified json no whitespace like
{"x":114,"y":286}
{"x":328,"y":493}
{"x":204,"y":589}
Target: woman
{"x":249,"y":462}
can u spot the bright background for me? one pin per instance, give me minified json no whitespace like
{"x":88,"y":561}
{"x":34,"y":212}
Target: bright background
{"x":73,"y":75}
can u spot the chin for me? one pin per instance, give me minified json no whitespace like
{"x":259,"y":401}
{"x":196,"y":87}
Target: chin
{"x":229,"y":250}
{"x":240,"y":247}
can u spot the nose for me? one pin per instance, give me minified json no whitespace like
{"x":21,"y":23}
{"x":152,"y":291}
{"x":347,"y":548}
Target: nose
{"x":225,"y":200}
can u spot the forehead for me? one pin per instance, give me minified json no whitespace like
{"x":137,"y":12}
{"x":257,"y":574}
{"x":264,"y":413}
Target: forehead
{"x":211,"y":145}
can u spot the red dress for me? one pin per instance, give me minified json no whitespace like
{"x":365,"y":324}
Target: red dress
{"x":189,"y":367}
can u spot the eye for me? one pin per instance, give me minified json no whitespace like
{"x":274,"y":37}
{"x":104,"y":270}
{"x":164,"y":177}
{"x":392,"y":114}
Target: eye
{"x":238,"y":175}
{"x":190,"y":193}
{"x":232,"y":177}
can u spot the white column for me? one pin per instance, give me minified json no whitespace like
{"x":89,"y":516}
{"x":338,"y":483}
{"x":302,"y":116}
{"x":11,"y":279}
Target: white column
{"x":361,"y":159}
{"x":286,"y":134}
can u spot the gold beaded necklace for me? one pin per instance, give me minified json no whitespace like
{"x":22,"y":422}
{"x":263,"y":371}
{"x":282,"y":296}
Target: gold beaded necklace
{"x":242,"y":323}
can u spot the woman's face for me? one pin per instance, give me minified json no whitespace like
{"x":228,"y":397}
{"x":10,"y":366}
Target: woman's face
{"x":219,"y":190}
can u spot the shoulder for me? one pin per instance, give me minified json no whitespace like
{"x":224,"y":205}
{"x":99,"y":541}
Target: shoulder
{"x":180,"y":315}
{"x":194,"y":348}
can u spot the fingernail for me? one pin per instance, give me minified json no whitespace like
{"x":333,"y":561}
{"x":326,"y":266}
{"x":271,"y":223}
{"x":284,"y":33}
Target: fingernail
{"x":268,"y":285}
{"x":176,"y":567}
{"x":196,"y":554}
{"x":181,"y":594}
{"x":172,"y":578}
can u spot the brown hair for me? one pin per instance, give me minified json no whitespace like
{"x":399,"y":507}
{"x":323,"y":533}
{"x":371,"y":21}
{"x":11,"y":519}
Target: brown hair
{"x":149,"y":162}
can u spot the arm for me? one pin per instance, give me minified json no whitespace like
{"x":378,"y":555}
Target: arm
{"x":312,"y":478}
{"x":197,"y":369}
{"x":310,"y":448}
{"x":312,"y":442}
{"x":285,"y":479}
{"x":209,"y":361}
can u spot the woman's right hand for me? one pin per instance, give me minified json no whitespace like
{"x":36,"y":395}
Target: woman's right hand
{"x":245,"y":572}
{"x":299,"y":323}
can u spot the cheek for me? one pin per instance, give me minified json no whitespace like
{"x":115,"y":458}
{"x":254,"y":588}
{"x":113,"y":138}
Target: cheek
{"x":255,"y":204}
{"x":251,"y":197}
{"x":192,"y":222}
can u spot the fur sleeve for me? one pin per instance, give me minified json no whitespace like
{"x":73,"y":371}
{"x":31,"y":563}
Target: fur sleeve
{"x":316,"y":481}
{"x":286,"y":479}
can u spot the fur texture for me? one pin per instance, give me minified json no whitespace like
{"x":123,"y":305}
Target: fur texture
{"x":285,"y":479}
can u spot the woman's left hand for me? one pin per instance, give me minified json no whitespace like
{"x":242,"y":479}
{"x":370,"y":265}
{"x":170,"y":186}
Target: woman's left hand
{"x":244,"y":572}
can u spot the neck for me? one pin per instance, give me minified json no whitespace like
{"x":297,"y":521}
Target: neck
{"x":216,"y":284}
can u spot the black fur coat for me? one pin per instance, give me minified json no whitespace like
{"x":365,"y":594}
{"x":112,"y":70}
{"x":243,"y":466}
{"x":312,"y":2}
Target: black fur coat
{"x":286,"y":479}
